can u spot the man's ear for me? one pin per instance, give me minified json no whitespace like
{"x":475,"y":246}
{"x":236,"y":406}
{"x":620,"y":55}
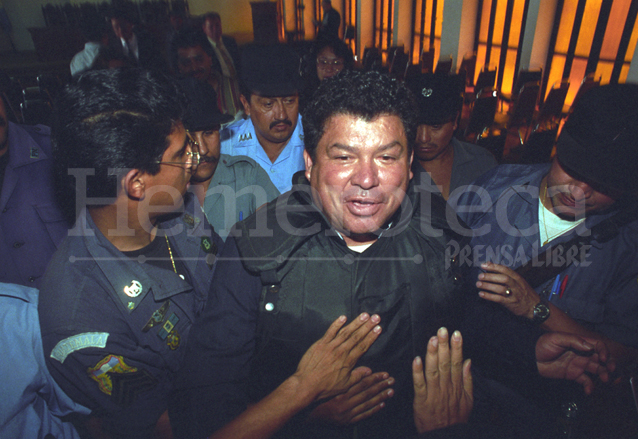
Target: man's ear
{"x":135,"y":184}
{"x":308,"y":160}
{"x":245,"y":102}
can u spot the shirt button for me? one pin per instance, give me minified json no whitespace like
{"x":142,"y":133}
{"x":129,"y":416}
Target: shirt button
{"x":272,"y":170}
{"x":32,"y":278}
{"x":273,"y":289}
{"x":18,"y":244}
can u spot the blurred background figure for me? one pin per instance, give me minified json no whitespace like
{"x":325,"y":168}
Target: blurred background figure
{"x":226,"y":61}
{"x":327,"y":58}
{"x":96,"y":35}
{"x":329,"y":25}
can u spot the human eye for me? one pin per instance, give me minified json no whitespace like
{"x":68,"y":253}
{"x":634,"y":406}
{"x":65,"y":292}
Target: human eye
{"x":211,"y":132}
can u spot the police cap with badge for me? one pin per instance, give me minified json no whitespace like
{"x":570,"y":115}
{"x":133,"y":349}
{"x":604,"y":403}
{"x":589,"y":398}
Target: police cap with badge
{"x":270,"y":70}
{"x":439,"y":97}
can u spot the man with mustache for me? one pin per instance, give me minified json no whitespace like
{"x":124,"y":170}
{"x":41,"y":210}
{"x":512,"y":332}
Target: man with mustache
{"x":354,"y":235}
{"x":230,"y":188}
{"x":582,"y":205}
{"x":449,"y":162}
{"x":272,"y":135}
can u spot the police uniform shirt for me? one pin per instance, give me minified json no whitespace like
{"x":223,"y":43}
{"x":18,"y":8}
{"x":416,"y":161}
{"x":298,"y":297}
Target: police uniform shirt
{"x":239,"y":138}
{"x":114,"y":328}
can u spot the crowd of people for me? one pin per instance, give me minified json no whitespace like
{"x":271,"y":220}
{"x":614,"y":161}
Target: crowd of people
{"x":251,"y":243}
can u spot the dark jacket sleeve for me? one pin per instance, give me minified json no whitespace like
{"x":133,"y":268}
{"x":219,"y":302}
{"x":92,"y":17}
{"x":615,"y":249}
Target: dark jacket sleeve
{"x":210,"y":387}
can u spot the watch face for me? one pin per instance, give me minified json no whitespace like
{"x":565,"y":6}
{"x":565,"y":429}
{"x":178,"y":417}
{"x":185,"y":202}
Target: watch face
{"x":541,"y":313}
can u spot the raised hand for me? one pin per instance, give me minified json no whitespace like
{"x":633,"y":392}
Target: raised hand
{"x":443,"y":396}
{"x":503,"y":285}
{"x":326,"y":369}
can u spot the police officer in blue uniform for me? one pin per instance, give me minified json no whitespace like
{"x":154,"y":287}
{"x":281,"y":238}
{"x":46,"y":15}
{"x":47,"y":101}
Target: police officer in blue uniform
{"x":31,"y":224}
{"x":122,"y":292}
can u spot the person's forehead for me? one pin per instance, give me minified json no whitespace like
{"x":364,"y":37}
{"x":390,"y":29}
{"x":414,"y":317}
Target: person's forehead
{"x":191,"y":51}
{"x":264,"y":97}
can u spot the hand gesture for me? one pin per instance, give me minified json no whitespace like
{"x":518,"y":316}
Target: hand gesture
{"x":443,"y":396}
{"x":360,"y":401}
{"x":572,"y":357}
{"x":326,"y":369}
{"x":503,"y":285}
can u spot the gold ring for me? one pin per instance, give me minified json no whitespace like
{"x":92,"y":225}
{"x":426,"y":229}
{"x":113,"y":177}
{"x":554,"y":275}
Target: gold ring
{"x":508,"y":292}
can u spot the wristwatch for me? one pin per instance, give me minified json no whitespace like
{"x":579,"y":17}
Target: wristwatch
{"x":541,"y":312}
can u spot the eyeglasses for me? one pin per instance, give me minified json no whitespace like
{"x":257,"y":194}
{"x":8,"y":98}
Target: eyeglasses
{"x":323,"y":63}
{"x":193,"y":158}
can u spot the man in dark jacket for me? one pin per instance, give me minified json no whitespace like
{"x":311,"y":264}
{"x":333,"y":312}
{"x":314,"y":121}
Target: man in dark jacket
{"x":354,"y":234}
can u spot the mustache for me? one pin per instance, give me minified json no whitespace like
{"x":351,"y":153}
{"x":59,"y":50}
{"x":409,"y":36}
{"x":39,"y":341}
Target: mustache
{"x":277,"y":122}
{"x":209,"y":159}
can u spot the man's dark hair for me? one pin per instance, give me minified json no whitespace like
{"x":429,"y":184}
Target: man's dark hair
{"x":363,"y":94}
{"x":113,"y":119}
{"x":211,"y":16}
{"x":189,"y":37}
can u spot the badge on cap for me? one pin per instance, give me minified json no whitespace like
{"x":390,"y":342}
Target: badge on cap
{"x":427,"y":92}
{"x":133,"y":290}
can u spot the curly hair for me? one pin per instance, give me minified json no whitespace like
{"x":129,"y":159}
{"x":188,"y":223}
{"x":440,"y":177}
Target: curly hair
{"x":363,"y":94}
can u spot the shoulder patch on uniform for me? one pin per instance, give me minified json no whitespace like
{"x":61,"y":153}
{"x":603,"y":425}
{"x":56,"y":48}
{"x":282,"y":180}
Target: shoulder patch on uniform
{"x":77,"y":342}
{"x":119,"y":380}
{"x":244,"y":137}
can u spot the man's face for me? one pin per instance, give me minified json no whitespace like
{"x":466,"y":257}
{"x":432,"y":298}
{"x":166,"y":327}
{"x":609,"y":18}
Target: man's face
{"x":433,"y":140}
{"x":4,"y":129}
{"x":195,"y":62}
{"x":572,"y":198}
{"x":122,"y":28}
{"x":274,"y":119}
{"x":326,"y":6}
{"x":360,"y":173}
{"x":209,"y":147}
{"x":213,"y":28}
{"x":167,"y":186}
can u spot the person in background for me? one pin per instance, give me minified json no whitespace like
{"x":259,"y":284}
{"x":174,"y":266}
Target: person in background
{"x":137,"y":45}
{"x":226,"y":61}
{"x":191,"y":55}
{"x":450,"y":163}
{"x":96,"y":35}
{"x":31,"y":223}
{"x":272,"y":135}
{"x":327,"y":58}
{"x":329,"y":25}
{"x":230,"y":188}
